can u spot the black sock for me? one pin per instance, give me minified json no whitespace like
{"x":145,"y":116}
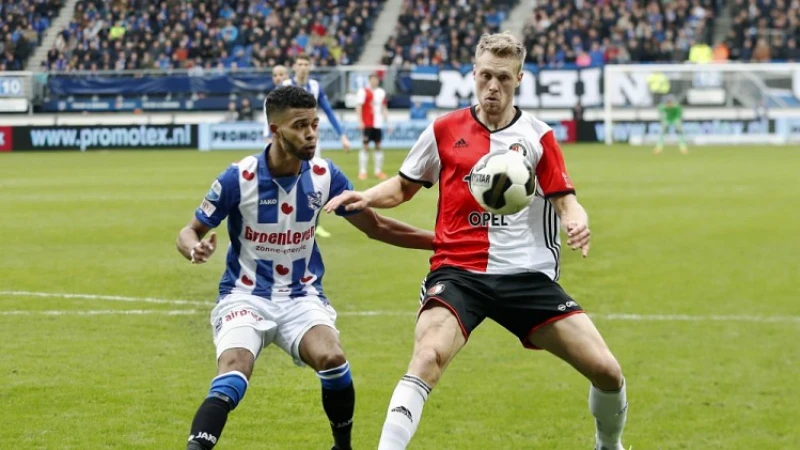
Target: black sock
{"x":339,"y":405}
{"x":208,"y":423}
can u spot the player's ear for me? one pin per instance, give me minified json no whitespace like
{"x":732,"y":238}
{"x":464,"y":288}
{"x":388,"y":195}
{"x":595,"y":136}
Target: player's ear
{"x":273,"y":128}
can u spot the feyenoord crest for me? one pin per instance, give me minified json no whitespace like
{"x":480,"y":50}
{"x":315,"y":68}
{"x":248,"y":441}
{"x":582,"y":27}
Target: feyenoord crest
{"x":436,"y":289}
{"x":517,"y":147}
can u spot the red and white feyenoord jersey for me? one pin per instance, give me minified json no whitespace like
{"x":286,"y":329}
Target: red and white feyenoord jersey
{"x":469,"y":238}
{"x":372,"y":101}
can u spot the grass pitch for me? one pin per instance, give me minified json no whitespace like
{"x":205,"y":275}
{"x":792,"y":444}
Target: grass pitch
{"x":691,"y":279}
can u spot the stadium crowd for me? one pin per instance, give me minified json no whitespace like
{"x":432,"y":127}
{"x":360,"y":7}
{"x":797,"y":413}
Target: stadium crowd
{"x":616,"y":31}
{"x":232,"y":34}
{"x":601,"y":32}
{"x":431,"y":32}
{"x":622,"y":31}
{"x":22,"y":23}
{"x":764,"y":30}
{"x":139,"y":34}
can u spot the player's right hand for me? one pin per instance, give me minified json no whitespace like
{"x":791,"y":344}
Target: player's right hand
{"x":351,"y":200}
{"x":204,"y":249}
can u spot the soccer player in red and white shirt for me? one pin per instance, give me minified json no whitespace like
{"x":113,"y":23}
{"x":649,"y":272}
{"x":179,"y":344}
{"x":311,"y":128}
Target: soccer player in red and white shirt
{"x":373,"y":115}
{"x":504,"y":268}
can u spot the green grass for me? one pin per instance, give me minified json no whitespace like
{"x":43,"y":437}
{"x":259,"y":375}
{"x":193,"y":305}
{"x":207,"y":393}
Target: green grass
{"x":712,"y":233}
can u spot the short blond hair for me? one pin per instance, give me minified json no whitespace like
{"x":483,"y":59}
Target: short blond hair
{"x":502,"y":45}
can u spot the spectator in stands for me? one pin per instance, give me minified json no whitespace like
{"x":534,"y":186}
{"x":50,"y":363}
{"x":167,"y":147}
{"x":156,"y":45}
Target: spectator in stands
{"x":245,"y":111}
{"x":700,"y":53}
{"x":792,"y":50}
{"x":417,"y":111}
{"x":232,"y":114}
{"x":577,"y":112}
{"x":761,"y":52}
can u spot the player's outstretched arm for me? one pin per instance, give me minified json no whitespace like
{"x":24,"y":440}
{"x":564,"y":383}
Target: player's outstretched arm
{"x":191,"y":244}
{"x":574,"y":220}
{"x":386,"y":194}
{"x":391,"y":231}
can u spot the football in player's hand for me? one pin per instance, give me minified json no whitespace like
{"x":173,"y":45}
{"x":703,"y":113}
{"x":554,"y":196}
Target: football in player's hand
{"x":503,"y":182}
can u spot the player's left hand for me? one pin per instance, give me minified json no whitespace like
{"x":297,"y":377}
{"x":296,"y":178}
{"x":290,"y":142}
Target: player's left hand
{"x":578,"y":236}
{"x":345,"y":143}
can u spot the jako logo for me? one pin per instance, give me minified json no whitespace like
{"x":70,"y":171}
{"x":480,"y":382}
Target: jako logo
{"x":205,"y":436}
{"x":288,"y":237}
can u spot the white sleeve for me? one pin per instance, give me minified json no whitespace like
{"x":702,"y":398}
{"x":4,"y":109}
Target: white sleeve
{"x":361,"y":95}
{"x":422,"y":165}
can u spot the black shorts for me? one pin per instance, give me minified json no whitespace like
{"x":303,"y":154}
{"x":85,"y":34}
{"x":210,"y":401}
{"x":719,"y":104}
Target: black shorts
{"x":373,"y":134}
{"x":520,"y":303}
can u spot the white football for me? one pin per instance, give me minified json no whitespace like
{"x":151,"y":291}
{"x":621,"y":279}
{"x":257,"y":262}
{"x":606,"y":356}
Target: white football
{"x":503,"y":182}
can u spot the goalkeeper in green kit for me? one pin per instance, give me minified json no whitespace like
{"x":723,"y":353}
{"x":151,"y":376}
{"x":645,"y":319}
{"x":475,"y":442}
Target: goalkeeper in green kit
{"x":671,"y":114}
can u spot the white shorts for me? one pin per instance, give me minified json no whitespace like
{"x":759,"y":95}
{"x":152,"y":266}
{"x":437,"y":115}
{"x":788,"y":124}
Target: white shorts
{"x":251,"y":322}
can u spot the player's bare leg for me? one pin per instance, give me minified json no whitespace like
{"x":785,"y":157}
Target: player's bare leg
{"x":363,"y":159}
{"x":378,"y":159}
{"x":320,"y":349}
{"x":437,"y":340}
{"x":234,"y":368}
{"x":576,"y":340}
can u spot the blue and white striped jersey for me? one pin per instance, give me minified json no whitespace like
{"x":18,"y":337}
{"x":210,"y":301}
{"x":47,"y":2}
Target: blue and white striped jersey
{"x":272,"y":223}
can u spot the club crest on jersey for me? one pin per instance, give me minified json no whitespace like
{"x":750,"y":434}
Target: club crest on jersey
{"x":215,"y":191}
{"x":436,"y":289}
{"x":315,"y":200}
{"x":519,"y":148}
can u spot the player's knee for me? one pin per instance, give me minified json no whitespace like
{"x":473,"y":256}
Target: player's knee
{"x":331,"y":360}
{"x":606,"y":374}
{"x":236,"y":360}
{"x":427,"y":363}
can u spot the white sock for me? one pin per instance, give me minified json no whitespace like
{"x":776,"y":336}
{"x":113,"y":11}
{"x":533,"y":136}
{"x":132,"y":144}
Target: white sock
{"x":405,"y":412}
{"x":318,"y":151}
{"x":610,"y":410}
{"x":363,"y":160}
{"x":378,"y":155}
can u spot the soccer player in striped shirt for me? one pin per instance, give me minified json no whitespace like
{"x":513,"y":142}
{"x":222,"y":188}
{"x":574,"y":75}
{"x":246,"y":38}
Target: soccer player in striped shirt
{"x":271,"y":290}
{"x":504,"y":268}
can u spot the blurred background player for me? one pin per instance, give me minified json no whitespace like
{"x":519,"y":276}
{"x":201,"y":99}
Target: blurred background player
{"x":279,"y":74}
{"x":271,"y":290}
{"x":373,"y":115}
{"x":671,"y":114}
{"x":302,"y":68}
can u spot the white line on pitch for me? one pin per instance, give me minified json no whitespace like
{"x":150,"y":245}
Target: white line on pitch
{"x":613,"y":316}
{"x":696,"y":318}
{"x":105,"y":312}
{"x":108,"y":298}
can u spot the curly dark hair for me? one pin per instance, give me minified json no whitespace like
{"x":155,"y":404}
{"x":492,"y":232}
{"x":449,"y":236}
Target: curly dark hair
{"x":288,"y":97}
